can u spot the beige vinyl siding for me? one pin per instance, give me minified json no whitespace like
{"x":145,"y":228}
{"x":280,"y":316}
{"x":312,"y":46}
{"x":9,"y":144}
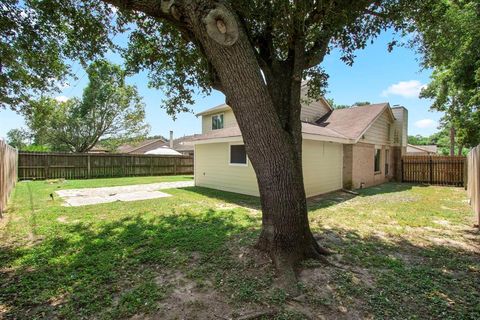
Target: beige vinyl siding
{"x":378,"y":132}
{"x":313,"y":110}
{"x":322,"y":165}
{"x":228,"y":120}
{"x":212,"y":170}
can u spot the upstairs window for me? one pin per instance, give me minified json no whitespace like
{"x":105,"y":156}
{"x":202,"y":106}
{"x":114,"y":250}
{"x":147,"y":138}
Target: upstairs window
{"x":217,"y":121}
{"x":377,"y":160}
{"x":238,"y":155}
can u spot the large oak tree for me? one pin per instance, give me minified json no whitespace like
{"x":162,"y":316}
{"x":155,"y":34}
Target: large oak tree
{"x":255,"y":52}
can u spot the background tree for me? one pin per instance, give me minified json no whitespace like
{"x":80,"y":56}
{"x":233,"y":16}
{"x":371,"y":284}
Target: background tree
{"x":256,"y":53}
{"x":450,"y":44}
{"x":419,"y":140}
{"x":361,"y":103}
{"x":337,"y":106}
{"x":18,"y":138}
{"x":109,"y":109}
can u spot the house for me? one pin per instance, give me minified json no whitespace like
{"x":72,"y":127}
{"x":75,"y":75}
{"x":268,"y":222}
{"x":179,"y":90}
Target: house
{"x":179,"y":146}
{"x":183,"y":145}
{"x":164,"y":151}
{"x":98,"y":149}
{"x":415,"y":150}
{"x":141,"y":147}
{"x":347,"y":148}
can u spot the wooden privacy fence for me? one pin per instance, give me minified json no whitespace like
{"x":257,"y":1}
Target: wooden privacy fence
{"x":473,"y":180}
{"x":40,"y":165}
{"x":8,"y":173}
{"x":432,"y":169}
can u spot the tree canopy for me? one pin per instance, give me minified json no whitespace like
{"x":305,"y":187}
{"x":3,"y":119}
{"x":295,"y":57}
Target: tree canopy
{"x":449,"y":41}
{"x":109,"y":108}
{"x":41,"y":38}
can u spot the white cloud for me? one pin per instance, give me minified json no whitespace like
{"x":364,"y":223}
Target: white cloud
{"x":406,"y":89}
{"x":426,"y":123}
{"x":61,"y":98}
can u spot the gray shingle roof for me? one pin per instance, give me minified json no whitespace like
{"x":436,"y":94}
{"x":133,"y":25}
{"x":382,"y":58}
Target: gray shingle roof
{"x":352,"y":122}
{"x":347,"y":124}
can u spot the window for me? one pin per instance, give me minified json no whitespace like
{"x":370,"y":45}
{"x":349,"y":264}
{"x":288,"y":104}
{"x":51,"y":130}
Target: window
{"x":217,"y":121}
{"x":238,"y":155}
{"x":389,"y":133}
{"x":387,"y":160}
{"x":377,"y":160}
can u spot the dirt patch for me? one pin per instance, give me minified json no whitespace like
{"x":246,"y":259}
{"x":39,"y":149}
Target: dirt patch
{"x":324,"y":299}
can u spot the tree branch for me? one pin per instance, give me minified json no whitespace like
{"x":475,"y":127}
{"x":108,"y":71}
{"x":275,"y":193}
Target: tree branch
{"x":314,"y":56}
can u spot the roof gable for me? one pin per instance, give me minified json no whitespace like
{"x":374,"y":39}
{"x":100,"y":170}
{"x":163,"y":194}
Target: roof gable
{"x":354,"y":122}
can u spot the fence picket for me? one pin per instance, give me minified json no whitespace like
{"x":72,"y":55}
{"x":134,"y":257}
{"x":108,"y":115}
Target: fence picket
{"x":442,"y":170}
{"x":55,"y":165}
{"x":8,"y":173}
{"x":473,"y":180}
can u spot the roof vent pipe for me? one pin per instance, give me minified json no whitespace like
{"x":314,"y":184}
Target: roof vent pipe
{"x":171,"y":139}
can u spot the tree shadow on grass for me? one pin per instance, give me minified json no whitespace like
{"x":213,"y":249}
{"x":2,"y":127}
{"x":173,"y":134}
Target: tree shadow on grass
{"x":395,"y":278}
{"x":316,"y":202}
{"x":242,"y":200}
{"x":93,"y":270}
{"x":81,"y":272}
{"x":336,"y":197}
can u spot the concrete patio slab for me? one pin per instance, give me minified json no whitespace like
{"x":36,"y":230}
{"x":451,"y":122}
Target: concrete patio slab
{"x":88,"y":196}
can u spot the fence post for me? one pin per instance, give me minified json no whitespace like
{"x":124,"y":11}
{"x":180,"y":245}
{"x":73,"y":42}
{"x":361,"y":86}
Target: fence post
{"x":175,"y":166}
{"x":88,"y":166}
{"x":431,"y":170}
{"x":45,"y":170}
{"x":151,"y":166}
{"x":403,"y":176}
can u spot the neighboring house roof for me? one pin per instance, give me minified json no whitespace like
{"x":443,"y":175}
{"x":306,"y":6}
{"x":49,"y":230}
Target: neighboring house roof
{"x":166,"y":151}
{"x":354,"y":122}
{"x":184,"y":143}
{"x":421,"y":149}
{"x":97,"y":149}
{"x":141,"y":147}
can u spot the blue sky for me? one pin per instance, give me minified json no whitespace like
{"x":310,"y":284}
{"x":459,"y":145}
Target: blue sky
{"x":376,"y":76}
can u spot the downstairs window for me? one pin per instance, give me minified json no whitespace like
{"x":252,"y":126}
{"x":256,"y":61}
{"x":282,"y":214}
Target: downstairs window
{"x":238,"y":154}
{"x":377,"y":160}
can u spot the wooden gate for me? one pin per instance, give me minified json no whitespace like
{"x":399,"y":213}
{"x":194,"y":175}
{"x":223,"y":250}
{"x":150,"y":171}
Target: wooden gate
{"x":432,"y":169}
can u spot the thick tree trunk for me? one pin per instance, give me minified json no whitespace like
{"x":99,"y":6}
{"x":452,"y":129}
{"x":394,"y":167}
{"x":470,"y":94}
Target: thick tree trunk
{"x":273,"y":143}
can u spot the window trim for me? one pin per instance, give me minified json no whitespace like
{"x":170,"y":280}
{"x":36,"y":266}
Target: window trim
{"x":216,"y":115}
{"x":230,"y":155}
{"x":387,"y":162}
{"x":379,"y":160}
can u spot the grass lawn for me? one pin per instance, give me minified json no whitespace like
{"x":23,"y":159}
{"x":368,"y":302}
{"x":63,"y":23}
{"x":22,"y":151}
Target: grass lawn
{"x":402,"y":251}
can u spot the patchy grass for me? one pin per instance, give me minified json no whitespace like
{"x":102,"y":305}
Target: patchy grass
{"x":402,"y":251}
